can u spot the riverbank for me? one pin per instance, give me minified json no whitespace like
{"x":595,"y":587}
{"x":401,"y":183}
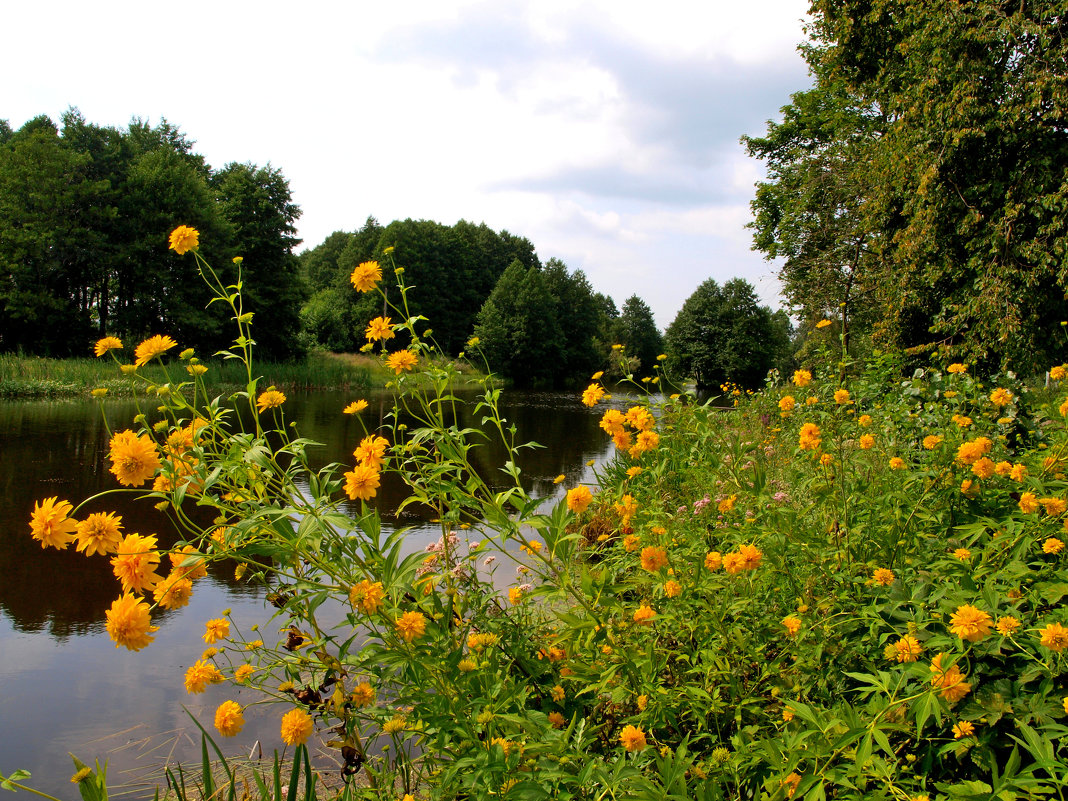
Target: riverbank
{"x":32,"y":377}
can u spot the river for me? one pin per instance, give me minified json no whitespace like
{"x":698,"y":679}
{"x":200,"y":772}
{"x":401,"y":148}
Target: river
{"x":65,"y":687}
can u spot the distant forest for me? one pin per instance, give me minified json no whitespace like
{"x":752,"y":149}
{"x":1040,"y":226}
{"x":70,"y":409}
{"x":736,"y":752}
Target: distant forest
{"x":85,"y":211}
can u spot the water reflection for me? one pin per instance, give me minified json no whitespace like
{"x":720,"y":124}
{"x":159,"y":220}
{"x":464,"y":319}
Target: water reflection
{"x":63,"y":684}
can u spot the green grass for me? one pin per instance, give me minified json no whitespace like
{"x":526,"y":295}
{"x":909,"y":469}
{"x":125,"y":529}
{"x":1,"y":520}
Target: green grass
{"x":35,"y":377}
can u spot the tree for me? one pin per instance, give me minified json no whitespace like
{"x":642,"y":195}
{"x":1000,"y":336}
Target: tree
{"x":257,"y":204}
{"x":722,"y":334}
{"x":959,"y":190}
{"x":636,"y":330}
{"x":517,"y":328}
{"x":581,"y":318}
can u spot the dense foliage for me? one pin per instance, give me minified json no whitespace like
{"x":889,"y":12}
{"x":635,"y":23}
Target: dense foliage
{"x":922,"y":181}
{"x":849,"y":586}
{"x":722,"y":334}
{"x":84,"y":210}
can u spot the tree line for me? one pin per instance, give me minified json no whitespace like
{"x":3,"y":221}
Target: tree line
{"x":85,"y":211}
{"x":84,"y":215}
{"x":917,"y":193}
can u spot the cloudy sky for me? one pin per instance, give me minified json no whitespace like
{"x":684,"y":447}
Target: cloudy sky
{"x":605,"y":131}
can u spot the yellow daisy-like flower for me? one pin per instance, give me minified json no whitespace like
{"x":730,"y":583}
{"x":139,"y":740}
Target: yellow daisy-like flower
{"x":135,"y":563}
{"x":672,"y":589}
{"x":400,"y":361}
{"x":1028,"y":503}
{"x":200,"y":674}
{"x":653,"y":558}
{"x":592,"y":394}
{"x":51,"y":524}
{"x":808,"y":438}
{"x":841,"y":396}
{"x":883,"y":577}
{"x":714,"y":560}
{"x":297,"y":727}
{"x":1055,"y":637}
{"x":1007,"y":625}
{"x":129,"y":622}
{"x":134,"y":459}
{"x":243,"y":673}
{"x":173,"y":592}
{"x":99,"y":533}
{"x":867,"y":442}
{"x":1052,"y":546}
{"x":229,"y":719}
{"x":632,"y":738}
{"x":957,"y":367}
{"x":578,"y":499}
{"x":864,"y":420}
{"x":379,"y":329}
{"x":269,"y":399}
{"x":963,"y":729}
{"x":792,"y":624}
{"x":897,"y":463}
{"x":906,"y":649}
{"x":216,"y":629}
{"x":932,"y":441}
{"x":1057,"y":373}
{"x":802,"y":378}
{"x":787,"y":404}
{"x":367,"y":596}
{"x":1001,"y":397}
{"x":363,"y":694}
{"x":152,"y":348}
{"x":362,"y":483}
{"x":949,"y":681}
{"x":371,"y":451}
{"x":102,"y":346}
{"x":963,"y":554}
{"x":183,"y":238}
{"x":411,"y":626}
{"x":644,"y":614}
{"x":366,"y":275}
{"x":970,"y":623}
{"x":823,"y":323}
{"x":355,"y":407}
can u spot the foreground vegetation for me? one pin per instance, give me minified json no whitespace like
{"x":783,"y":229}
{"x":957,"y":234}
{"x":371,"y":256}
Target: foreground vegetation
{"x":849,"y":586}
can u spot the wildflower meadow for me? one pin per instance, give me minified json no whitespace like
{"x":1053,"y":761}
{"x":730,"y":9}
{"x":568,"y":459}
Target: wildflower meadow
{"x":850,"y":584}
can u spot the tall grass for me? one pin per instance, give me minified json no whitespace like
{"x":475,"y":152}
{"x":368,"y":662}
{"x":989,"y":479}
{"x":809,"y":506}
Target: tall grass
{"x":35,"y":377}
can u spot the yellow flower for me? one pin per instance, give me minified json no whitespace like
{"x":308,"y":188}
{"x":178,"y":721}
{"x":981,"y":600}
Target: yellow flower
{"x":864,"y":420}
{"x":962,"y":421}
{"x":963,"y":554}
{"x":134,"y":458}
{"x":802,"y":378}
{"x":355,"y":407}
{"x":363,"y":694}
{"x":1054,"y":506}
{"x":592,"y":394}
{"x":362,"y":483}
{"x":371,"y":451}
{"x":135,"y":563}
{"x":1018,"y":472}
{"x":152,"y":348}
{"x":366,"y":275}
{"x":129,"y":622}
{"x":672,"y":589}
{"x":626,"y":508}
{"x":714,"y":560}
{"x":367,"y":596}
{"x":393,"y":725}
{"x":1000,"y":397}
{"x":792,"y":624}
{"x":183,"y":238}
{"x":1057,"y":373}
{"x":727,"y":504}
{"x":906,"y":649}
{"x":216,"y":629}
{"x":578,"y":499}
{"x":297,"y":727}
{"x":809,"y":437}
{"x":631,"y":472}
{"x":515,"y":596}
{"x":883,"y":577}
{"x":950,"y":681}
{"x":557,"y":720}
{"x":841,"y":396}
{"x":229,"y":719}
{"x":970,"y":623}
{"x":269,"y":399}
{"x":787,"y":403}
{"x":867,"y":442}
{"x":243,"y":673}
{"x":102,"y":346}
{"x":1028,"y":503}
{"x":1052,"y":546}
{"x":653,"y":558}
{"x":962,"y":729}
{"x":787,"y":715}
{"x":897,"y":463}
{"x":557,"y":693}
{"x":199,"y":675}
{"x":932,"y":441}
{"x":51,"y":524}
{"x":632,"y":738}
{"x":957,"y":367}
{"x":644,"y":614}
{"x":826,"y":460}
{"x":411,"y":626}
{"x":1007,"y":625}
{"x":790,"y":783}
{"x":983,"y":468}
{"x":380,"y":328}
{"x":400,"y":361}
{"x":196,"y":369}
{"x":823,"y":323}
{"x":1055,"y":637}
{"x":173,"y":592}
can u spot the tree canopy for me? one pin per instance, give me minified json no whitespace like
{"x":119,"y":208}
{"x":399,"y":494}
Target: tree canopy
{"x":928,"y":171}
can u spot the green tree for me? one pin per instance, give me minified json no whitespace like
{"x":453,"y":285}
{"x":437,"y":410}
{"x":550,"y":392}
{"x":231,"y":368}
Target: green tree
{"x":582,"y":321}
{"x":636,"y":330}
{"x":518,"y":330}
{"x":721,"y":334}
{"x":258,"y":205}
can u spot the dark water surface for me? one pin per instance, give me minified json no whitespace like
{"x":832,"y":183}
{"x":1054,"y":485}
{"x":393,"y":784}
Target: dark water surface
{"x":65,"y":687}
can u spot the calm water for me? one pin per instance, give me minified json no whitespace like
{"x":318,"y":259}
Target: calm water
{"x":64,"y":687}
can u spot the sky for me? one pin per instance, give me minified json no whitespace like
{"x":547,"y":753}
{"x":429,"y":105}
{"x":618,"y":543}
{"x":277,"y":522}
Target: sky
{"x":605,"y":131}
